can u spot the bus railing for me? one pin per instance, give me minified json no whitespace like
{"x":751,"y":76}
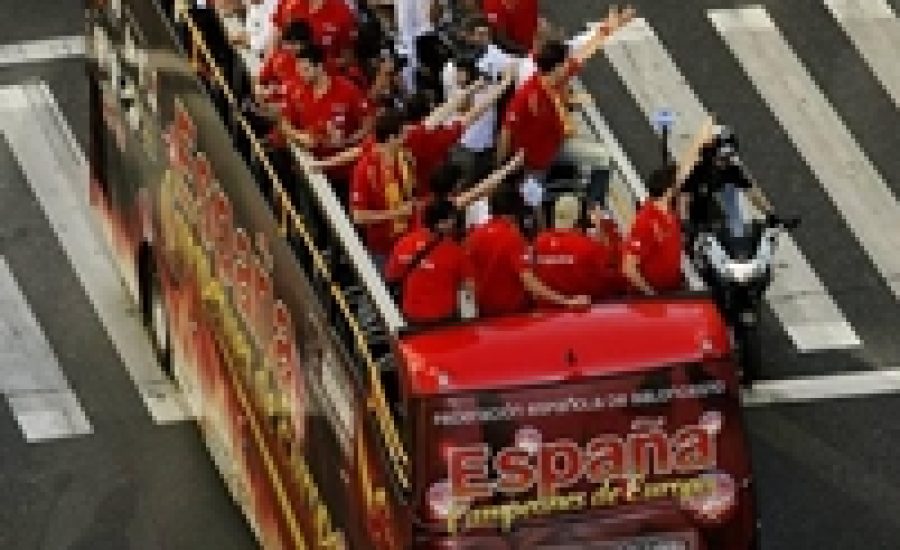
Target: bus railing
{"x":293,"y":227}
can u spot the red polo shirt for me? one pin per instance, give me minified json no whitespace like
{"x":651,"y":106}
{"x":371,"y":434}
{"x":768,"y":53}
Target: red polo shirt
{"x":295,"y":92}
{"x":655,"y":239}
{"x":534,"y":122}
{"x":367,"y":193}
{"x":430,"y":148}
{"x":499,"y":254}
{"x":430,"y":289}
{"x":279,"y":67}
{"x":333,"y":25}
{"x":292,"y":97}
{"x":342,"y":108}
{"x":517,"y":19}
{"x":564,"y":261}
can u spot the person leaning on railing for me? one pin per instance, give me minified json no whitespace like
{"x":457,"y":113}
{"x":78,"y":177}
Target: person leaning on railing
{"x":326,"y":115}
{"x":381,"y":189}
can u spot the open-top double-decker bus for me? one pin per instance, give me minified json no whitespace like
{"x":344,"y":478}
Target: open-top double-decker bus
{"x":335,"y":426}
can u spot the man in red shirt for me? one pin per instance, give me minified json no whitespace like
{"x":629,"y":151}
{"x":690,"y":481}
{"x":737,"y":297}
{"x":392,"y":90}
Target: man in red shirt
{"x":652,"y":258}
{"x":537,"y":119}
{"x":381,"y":188}
{"x":564,"y":257}
{"x":280,"y":67}
{"x":431,"y":267}
{"x":327,"y":116}
{"x":606,"y":239}
{"x":504,"y":279}
{"x":332,"y":23}
{"x":514,"y":22}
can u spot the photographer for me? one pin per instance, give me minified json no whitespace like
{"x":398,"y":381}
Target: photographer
{"x":719,"y":173}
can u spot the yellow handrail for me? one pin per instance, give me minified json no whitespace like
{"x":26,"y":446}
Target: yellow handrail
{"x":379,"y":402}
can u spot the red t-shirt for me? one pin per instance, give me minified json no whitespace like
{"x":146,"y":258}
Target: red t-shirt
{"x":565,"y":262}
{"x":367,"y":193}
{"x":333,"y":25}
{"x":430,"y":289}
{"x":517,"y":19}
{"x":343,"y":109}
{"x":430,"y":148}
{"x":290,"y":102}
{"x":499,"y":253}
{"x":655,"y":239}
{"x":534,"y":122}
{"x":279,"y":67}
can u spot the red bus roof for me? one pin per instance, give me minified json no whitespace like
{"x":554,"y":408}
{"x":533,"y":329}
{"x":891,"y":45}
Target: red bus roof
{"x":554,"y":346}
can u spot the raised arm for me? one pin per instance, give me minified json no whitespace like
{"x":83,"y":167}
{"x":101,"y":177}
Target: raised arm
{"x":494,"y":94}
{"x":489,"y":184}
{"x":339,"y":159}
{"x":691,"y":155}
{"x":452,"y":106}
{"x":614,"y":20}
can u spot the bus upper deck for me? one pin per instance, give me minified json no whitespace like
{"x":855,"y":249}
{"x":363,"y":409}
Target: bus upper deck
{"x":285,"y":339}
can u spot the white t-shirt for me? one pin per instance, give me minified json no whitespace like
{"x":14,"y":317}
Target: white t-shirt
{"x":481,"y":134}
{"x":478,"y":213}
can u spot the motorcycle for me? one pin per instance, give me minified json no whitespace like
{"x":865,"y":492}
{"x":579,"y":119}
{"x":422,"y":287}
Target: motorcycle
{"x":738,"y":270}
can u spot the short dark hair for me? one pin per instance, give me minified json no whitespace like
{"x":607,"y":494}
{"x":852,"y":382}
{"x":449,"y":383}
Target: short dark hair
{"x":551,"y":55}
{"x":298,"y":32}
{"x":661,"y":180}
{"x":437,"y":211}
{"x":312,"y":53}
{"x":419,"y":106}
{"x":476,"y":20}
{"x":445,"y":180}
{"x":388,"y":124}
{"x":507,"y":202}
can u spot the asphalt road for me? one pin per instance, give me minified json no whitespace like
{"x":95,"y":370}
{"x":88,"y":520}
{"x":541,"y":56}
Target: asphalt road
{"x":826,"y":472}
{"x":130,"y":483}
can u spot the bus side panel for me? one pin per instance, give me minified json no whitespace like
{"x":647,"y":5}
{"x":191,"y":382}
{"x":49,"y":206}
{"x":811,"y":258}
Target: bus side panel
{"x":250,"y":360}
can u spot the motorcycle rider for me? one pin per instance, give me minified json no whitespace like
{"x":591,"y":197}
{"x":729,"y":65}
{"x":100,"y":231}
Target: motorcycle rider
{"x":719,"y":173}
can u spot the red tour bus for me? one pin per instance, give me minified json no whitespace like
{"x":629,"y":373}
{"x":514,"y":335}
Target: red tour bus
{"x":619,"y":427}
{"x":332,"y":426}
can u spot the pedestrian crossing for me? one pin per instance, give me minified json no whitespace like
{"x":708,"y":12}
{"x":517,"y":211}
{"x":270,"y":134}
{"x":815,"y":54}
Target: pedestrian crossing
{"x":804,"y":306}
{"x":59,"y":183}
{"x":873,"y":28}
{"x":31,"y":378}
{"x":844,"y":171}
{"x":797,"y":296}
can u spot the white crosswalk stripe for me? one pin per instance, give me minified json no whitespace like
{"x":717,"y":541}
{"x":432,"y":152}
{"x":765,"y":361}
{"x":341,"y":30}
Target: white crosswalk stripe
{"x":31,"y":378}
{"x":797,"y":296}
{"x":859,"y":192}
{"x":34,"y":51}
{"x":874,"y":29}
{"x":59,"y":181}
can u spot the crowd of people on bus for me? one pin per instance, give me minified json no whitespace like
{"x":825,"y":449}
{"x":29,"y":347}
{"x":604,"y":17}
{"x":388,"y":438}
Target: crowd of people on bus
{"x":436,"y":123}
